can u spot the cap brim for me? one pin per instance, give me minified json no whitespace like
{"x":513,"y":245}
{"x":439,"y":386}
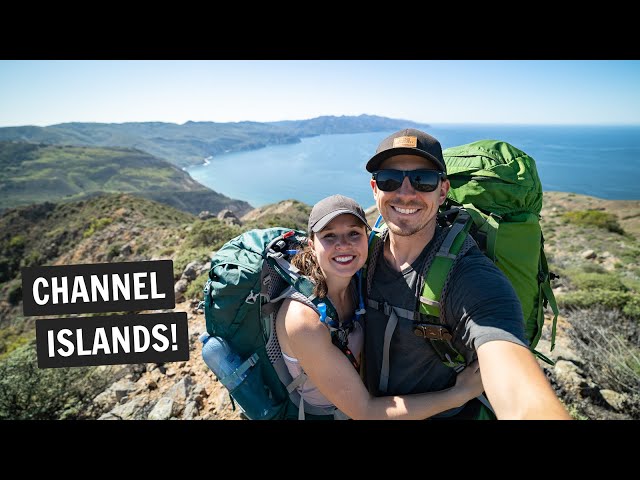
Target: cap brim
{"x":320,"y":224}
{"x":374,"y":163}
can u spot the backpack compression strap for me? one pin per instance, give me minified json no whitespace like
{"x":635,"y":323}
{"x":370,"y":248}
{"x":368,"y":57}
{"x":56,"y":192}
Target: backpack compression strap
{"x":545,"y":297}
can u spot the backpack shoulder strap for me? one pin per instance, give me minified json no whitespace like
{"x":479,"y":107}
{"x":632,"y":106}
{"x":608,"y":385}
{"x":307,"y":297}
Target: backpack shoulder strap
{"x":299,"y":282}
{"x":377,"y":238}
{"x":301,"y":289}
{"x":445,"y":257}
{"x":436,"y":275}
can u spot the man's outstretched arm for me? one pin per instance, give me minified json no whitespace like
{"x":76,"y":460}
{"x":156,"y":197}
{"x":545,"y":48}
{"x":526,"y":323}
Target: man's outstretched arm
{"x":516,"y":385}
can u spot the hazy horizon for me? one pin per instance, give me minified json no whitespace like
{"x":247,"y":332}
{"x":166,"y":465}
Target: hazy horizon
{"x":444,"y":124}
{"x":482,"y":92}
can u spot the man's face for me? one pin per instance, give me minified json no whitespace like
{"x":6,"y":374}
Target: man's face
{"x":407,"y":211}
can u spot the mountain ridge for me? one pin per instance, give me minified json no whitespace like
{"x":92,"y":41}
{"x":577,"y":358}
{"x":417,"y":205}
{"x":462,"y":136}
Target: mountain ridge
{"x":189,"y":143}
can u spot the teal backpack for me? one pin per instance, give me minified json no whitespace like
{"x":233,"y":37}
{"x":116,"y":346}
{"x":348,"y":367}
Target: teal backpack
{"x":248,"y":279}
{"x":495,"y":199}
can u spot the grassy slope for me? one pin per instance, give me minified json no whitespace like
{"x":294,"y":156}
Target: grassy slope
{"x":38,"y":173}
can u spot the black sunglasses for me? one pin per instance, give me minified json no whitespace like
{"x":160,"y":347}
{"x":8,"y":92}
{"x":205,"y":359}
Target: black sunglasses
{"x":421,"y":180}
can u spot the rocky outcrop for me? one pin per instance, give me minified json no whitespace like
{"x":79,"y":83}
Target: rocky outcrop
{"x":176,"y":390}
{"x":228,"y":218}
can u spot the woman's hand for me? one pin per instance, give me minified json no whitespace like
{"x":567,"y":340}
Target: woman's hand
{"x":469,"y":382}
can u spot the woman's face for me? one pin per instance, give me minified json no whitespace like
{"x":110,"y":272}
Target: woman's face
{"x":341,"y":246}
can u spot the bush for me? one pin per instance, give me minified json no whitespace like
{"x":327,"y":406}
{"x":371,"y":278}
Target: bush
{"x":14,"y":294}
{"x":211,"y":234}
{"x":96,"y":225}
{"x":625,"y":302}
{"x":113,"y":251}
{"x":593,"y":268}
{"x":28,"y":392}
{"x":195,"y":289}
{"x":588,"y":281}
{"x":10,"y":339}
{"x":184,"y":257}
{"x":608,"y":344}
{"x":594,"y":218}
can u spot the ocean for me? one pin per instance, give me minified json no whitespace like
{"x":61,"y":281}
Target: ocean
{"x":601,"y":161}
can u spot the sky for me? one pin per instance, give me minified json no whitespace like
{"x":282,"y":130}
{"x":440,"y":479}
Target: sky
{"x":596,"y":92}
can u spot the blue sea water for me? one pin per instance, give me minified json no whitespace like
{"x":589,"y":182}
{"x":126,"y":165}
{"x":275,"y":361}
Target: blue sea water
{"x":601,"y":161}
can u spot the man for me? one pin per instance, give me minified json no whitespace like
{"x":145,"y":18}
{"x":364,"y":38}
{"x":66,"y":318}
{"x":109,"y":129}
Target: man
{"x":480,"y":307}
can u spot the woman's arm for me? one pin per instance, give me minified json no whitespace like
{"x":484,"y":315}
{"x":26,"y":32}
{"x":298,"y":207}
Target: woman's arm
{"x":330,"y":370}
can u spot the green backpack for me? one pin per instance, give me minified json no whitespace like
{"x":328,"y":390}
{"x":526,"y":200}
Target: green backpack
{"x":496,"y":198}
{"x":248,"y":279}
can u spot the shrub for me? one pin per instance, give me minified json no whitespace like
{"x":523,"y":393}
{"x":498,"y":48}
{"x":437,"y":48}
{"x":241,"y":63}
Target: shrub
{"x":113,"y":251}
{"x":28,"y":392}
{"x":195,"y":287}
{"x":14,"y":292}
{"x":211,"y":234}
{"x":626,"y":302}
{"x":588,"y":281}
{"x":608,"y":344}
{"x":10,"y":339}
{"x":593,"y":268}
{"x":96,"y":225}
{"x":17,"y":242}
{"x":183,"y":257}
{"x":594,"y":218}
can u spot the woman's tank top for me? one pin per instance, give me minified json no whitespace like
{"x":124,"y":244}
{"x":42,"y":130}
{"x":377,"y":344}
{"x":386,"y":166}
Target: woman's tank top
{"x":308,"y":390}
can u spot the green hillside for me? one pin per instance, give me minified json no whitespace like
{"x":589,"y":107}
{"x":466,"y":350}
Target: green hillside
{"x":35,"y":173}
{"x":192,"y":142}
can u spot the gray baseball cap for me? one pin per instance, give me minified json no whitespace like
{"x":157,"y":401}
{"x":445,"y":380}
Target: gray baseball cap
{"x":329,"y":208}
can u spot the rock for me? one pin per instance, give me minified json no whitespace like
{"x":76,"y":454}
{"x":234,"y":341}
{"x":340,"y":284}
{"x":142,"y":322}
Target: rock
{"x":179,"y":289}
{"x":109,"y":416}
{"x":614,"y":399}
{"x":105,"y":401}
{"x":126,"y":249}
{"x":163,"y":409}
{"x":562,"y":350}
{"x":228,"y":217}
{"x":222,"y":400}
{"x":114,"y":394}
{"x":157,"y":376}
{"x":181,"y":285}
{"x":588,"y":254}
{"x":569,"y":376}
{"x":198,"y":394}
{"x":191,"y":270}
{"x":131,"y":409}
{"x":151,"y":384}
{"x":190,"y":411}
{"x":205,"y":214}
{"x":179,"y":394}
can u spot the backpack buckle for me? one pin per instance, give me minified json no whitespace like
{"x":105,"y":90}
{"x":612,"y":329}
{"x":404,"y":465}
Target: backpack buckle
{"x":432,"y":332}
{"x":252,"y":297}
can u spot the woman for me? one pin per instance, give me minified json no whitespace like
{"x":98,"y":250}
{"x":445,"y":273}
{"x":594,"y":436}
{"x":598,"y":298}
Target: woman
{"x":337,"y":250}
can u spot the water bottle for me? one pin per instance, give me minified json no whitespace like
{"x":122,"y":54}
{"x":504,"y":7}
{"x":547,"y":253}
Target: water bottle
{"x":242,"y":378}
